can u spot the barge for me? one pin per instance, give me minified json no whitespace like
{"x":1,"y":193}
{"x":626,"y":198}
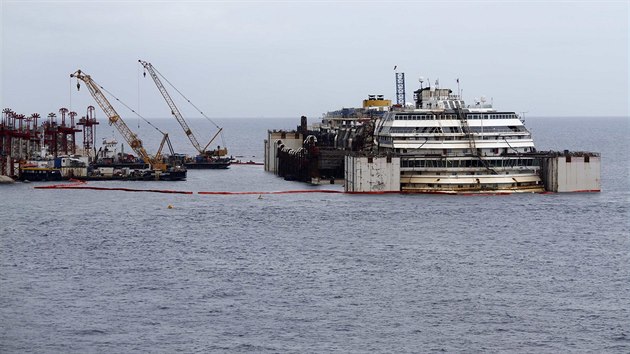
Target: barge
{"x":206,"y":162}
{"x":77,"y":167}
{"x":40,"y":174}
{"x":171,"y":174}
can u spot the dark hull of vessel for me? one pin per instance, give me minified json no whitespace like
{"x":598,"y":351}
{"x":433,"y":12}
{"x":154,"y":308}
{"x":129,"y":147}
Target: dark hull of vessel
{"x":212,"y":165}
{"x":145,"y":176}
{"x":173,"y":175}
{"x":40,"y":175}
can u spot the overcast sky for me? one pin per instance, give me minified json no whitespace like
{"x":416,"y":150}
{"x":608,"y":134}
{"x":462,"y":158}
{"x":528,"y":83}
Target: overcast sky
{"x":288,"y":58}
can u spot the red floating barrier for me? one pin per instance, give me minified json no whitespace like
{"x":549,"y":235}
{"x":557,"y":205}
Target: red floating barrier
{"x":80,"y":185}
{"x":276,"y":192}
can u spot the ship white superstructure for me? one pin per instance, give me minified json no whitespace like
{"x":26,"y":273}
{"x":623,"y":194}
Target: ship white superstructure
{"x":448,"y":146}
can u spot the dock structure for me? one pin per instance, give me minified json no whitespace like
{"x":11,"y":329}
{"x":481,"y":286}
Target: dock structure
{"x":89,"y":124}
{"x":19,"y":140}
{"x":49,"y":151}
{"x":22,"y":139}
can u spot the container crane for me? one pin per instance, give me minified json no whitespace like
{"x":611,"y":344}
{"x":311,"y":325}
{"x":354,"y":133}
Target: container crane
{"x":175,"y":112}
{"x":114,"y":118}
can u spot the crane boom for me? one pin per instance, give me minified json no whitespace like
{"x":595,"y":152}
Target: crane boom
{"x":174,"y":110}
{"x":114,"y":119}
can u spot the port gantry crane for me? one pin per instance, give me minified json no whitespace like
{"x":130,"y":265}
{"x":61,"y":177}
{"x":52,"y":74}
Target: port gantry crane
{"x":175,"y":112}
{"x":156,"y":162}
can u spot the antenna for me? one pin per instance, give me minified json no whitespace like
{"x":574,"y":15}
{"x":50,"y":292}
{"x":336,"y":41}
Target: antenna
{"x":400,"y":88}
{"x":459,"y":92}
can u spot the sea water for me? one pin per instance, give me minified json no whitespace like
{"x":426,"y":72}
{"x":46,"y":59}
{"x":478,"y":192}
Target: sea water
{"x":111,"y":271}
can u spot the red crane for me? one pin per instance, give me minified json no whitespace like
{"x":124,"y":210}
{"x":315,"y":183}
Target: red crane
{"x":89,"y":124}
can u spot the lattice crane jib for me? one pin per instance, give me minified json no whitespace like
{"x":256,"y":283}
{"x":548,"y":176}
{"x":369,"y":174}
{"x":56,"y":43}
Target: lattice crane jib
{"x":171,"y":104}
{"x":175,"y":111}
{"x":114,"y":119}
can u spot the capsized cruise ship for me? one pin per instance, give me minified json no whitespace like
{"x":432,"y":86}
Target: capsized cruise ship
{"x":447,"y":146}
{"x":436,"y":144}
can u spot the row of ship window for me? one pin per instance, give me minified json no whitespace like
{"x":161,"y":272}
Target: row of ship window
{"x":454,"y":116}
{"x":389,"y":140}
{"x":452,"y":163}
{"x":440,"y":130}
{"x":449,"y":138}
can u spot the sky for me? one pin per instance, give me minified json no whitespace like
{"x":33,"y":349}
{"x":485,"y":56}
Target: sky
{"x":291,"y":58}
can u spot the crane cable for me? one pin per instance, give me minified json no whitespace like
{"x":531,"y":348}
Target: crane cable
{"x":138,"y":95}
{"x":192,"y":104}
{"x":71,"y":91}
{"x":508,"y":144}
{"x":129,"y":108}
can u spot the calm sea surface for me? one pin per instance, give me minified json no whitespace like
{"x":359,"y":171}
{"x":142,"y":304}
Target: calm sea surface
{"x":108,"y":271}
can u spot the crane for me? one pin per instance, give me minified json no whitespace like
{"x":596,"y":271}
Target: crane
{"x":132,"y":139}
{"x":175,"y":112}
